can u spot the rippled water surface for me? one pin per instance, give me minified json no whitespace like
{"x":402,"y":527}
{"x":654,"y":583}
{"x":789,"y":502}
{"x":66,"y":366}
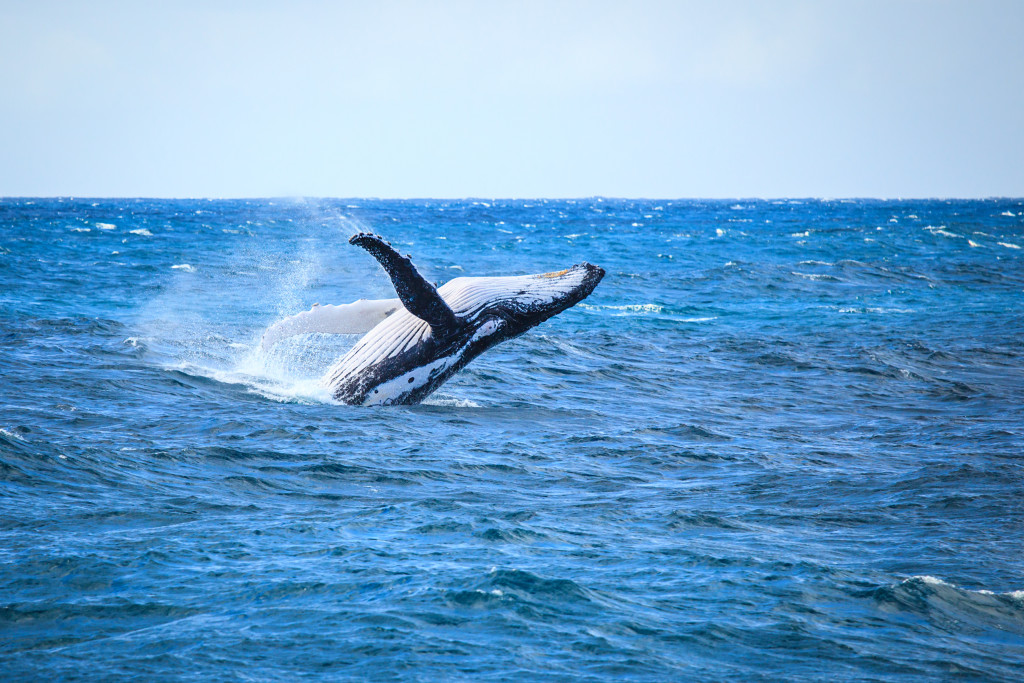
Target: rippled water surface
{"x":781,"y":440}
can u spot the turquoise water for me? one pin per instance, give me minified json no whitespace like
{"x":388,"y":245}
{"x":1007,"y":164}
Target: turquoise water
{"x":782,"y":440}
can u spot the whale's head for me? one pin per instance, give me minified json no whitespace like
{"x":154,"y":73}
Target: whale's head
{"x":520,"y":302}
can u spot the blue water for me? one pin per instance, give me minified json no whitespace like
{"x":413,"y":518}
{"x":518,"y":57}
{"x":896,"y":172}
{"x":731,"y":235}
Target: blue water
{"x":781,"y":441}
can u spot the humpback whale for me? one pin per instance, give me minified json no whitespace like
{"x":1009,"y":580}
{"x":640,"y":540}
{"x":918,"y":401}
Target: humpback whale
{"x":414,"y":343}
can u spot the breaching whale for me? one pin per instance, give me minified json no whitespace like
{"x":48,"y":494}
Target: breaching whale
{"x":414,"y":343}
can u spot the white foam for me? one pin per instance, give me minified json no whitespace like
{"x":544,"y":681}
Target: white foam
{"x":805,"y":233}
{"x":81,"y":229}
{"x":185,"y":267}
{"x":105,"y":226}
{"x":937,"y":582}
{"x":283,"y":389}
{"x":931,"y":580}
{"x":940,"y":230}
{"x":11,"y":434}
{"x":1009,"y":245}
{"x":450,"y":402}
{"x":873,"y":309}
{"x":973,"y":243}
{"x":633,"y":308}
{"x":141,"y":231}
{"x":812,"y":276}
{"x":815,"y":263}
{"x":1008,"y":213}
{"x":719,"y":232}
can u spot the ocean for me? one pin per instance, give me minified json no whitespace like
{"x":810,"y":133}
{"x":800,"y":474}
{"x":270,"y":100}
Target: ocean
{"x":781,"y":441}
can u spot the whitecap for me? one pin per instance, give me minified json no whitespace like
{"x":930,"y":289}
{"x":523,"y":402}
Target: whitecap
{"x":936,"y":582}
{"x":941,"y":230}
{"x":1009,"y":245}
{"x":105,"y":226}
{"x":13,"y":435}
{"x":81,"y":229}
{"x":633,"y":308}
{"x":449,"y":402}
{"x":141,"y":231}
{"x":805,"y":233}
{"x":873,"y":309}
{"x":1011,"y":214}
{"x":185,"y":267}
{"x":973,"y":243}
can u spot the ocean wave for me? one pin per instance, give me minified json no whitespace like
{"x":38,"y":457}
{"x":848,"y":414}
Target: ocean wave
{"x":871,"y":309}
{"x":940,"y":230}
{"x":630,"y":308}
{"x":444,"y":401}
{"x":278,"y":387}
{"x":11,"y":435}
{"x":954,"y":607}
{"x":821,"y":277}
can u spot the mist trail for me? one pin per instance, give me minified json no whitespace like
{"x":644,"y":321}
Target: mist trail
{"x":208,"y":320}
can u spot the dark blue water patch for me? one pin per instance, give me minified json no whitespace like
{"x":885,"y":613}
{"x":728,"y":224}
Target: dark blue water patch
{"x":781,"y":441}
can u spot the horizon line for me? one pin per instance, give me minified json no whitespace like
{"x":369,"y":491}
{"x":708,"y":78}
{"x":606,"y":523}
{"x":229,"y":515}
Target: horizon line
{"x":294,"y":198}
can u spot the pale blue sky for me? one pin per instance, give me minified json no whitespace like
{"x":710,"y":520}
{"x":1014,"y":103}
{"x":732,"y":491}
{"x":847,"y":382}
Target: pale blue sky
{"x":514,"y":99}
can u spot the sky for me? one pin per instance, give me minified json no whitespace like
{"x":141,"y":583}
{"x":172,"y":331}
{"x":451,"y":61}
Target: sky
{"x":731,"y":98}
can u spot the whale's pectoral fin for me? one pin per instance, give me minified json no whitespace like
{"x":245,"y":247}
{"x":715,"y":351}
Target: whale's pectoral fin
{"x":418,"y":296}
{"x":357,"y":317}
